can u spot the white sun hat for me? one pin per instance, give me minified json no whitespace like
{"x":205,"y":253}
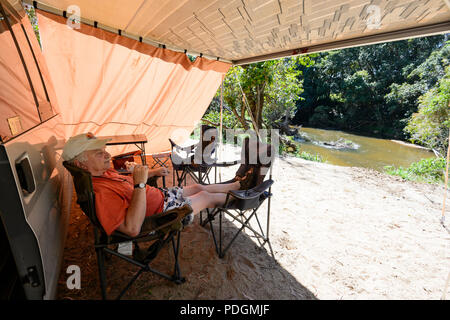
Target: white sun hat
{"x":82,"y":142}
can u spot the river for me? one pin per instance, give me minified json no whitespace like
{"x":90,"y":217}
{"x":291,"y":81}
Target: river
{"x":364,"y":152}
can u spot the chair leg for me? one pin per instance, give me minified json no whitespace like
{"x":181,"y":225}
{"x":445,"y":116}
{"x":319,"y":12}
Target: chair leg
{"x":214,"y":236}
{"x":221,"y":253}
{"x":182,"y":178}
{"x":244,"y":225}
{"x":193,"y":174}
{"x":177,"y":177}
{"x":101,"y":271}
{"x":129,"y":284}
{"x":177,"y":278}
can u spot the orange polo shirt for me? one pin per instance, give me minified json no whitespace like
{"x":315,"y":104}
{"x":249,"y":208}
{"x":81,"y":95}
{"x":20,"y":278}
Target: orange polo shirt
{"x":113,"y":194}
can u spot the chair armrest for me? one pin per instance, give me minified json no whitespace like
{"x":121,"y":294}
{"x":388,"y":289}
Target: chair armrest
{"x":124,"y":172}
{"x":163,"y":221}
{"x":188,"y":149}
{"x":220,"y":164}
{"x":252,"y":193}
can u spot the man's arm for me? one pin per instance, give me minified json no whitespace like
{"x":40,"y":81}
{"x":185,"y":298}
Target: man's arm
{"x":161,"y":171}
{"x":136,"y":211}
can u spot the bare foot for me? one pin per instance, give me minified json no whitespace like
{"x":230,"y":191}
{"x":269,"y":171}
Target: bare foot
{"x":245,"y":180}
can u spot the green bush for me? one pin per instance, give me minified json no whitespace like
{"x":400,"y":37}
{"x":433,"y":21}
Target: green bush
{"x":309,"y":156}
{"x":285,"y":149}
{"x":430,"y":125}
{"x":431,"y":170}
{"x":228,"y":119}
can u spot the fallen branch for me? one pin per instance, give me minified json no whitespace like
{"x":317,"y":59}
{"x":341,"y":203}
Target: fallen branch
{"x":437,"y":154}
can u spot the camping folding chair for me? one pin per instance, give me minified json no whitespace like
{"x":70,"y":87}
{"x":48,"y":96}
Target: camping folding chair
{"x":161,"y":229}
{"x":242,"y":205}
{"x":198,"y":159}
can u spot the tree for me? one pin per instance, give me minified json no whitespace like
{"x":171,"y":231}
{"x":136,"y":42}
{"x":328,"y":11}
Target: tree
{"x":430,"y":125}
{"x":283,"y":93}
{"x":264,"y":93}
{"x":403,"y":99}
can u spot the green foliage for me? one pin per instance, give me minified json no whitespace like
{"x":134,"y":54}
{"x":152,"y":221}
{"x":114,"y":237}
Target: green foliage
{"x":322,"y":117}
{"x":271,"y":90}
{"x":371,"y":90}
{"x":309,"y":156}
{"x":282,"y":94}
{"x":33,"y":20}
{"x":285,"y":149}
{"x":431,"y":170}
{"x":228,"y":119}
{"x":430,"y":125}
{"x":405,"y":98}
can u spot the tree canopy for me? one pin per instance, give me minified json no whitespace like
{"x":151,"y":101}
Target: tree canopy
{"x":372,"y":90}
{"x":265,"y":93}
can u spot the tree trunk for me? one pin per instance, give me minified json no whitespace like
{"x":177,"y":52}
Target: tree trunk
{"x":241,"y":117}
{"x":258,"y":106}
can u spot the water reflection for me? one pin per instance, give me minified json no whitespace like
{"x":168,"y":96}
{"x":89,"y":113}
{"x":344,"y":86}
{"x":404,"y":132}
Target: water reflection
{"x":345,"y":149}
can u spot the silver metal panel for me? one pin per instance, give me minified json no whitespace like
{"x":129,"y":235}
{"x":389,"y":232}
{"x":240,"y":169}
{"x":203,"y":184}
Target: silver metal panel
{"x":46,"y":209}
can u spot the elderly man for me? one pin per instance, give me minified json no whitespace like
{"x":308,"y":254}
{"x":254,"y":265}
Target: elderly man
{"x":123,"y":202}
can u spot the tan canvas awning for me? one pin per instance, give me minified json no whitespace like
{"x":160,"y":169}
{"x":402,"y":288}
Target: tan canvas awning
{"x":110,"y":85}
{"x":245,"y":31}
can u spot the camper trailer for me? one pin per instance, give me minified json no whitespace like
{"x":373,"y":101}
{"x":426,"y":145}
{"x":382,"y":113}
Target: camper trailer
{"x":36,"y":191}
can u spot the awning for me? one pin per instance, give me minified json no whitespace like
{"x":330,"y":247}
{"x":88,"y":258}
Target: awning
{"x":111,"y":85}
{"x":245,"y":31}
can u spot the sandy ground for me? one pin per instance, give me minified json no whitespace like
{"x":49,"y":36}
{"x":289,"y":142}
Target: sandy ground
{"x":336,"y":233}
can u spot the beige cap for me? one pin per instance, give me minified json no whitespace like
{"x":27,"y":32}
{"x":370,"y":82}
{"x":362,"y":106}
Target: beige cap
{"x":82,"y":142}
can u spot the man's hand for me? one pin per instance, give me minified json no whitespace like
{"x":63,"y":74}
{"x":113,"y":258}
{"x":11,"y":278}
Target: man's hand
{"x":162,"y":171}
{"x":140,"y":174}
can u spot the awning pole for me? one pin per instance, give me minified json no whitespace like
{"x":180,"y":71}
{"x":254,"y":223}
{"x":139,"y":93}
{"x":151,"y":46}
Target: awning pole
{"x":446,"y":179}
{"x":221,"y":126}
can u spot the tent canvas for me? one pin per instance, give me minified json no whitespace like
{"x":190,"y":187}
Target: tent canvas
{"x":109,"y":84}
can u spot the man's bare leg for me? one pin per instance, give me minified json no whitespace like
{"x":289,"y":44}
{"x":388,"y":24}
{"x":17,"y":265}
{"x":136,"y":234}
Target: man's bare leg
{"x":210,"y":188}
{"x":203,"y":199}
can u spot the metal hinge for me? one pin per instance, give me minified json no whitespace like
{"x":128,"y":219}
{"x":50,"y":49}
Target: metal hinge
{"x":32,"y":277}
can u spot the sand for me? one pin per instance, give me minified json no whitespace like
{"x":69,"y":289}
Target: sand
{"x":336,"y":233}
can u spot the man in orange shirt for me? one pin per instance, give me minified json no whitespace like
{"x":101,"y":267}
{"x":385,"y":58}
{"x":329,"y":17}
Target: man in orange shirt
{"x":123,"y":202}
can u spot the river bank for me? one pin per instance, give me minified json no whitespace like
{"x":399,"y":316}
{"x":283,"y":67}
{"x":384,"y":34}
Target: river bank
{"x":336,"y":233}
{"x":412,"y":145}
